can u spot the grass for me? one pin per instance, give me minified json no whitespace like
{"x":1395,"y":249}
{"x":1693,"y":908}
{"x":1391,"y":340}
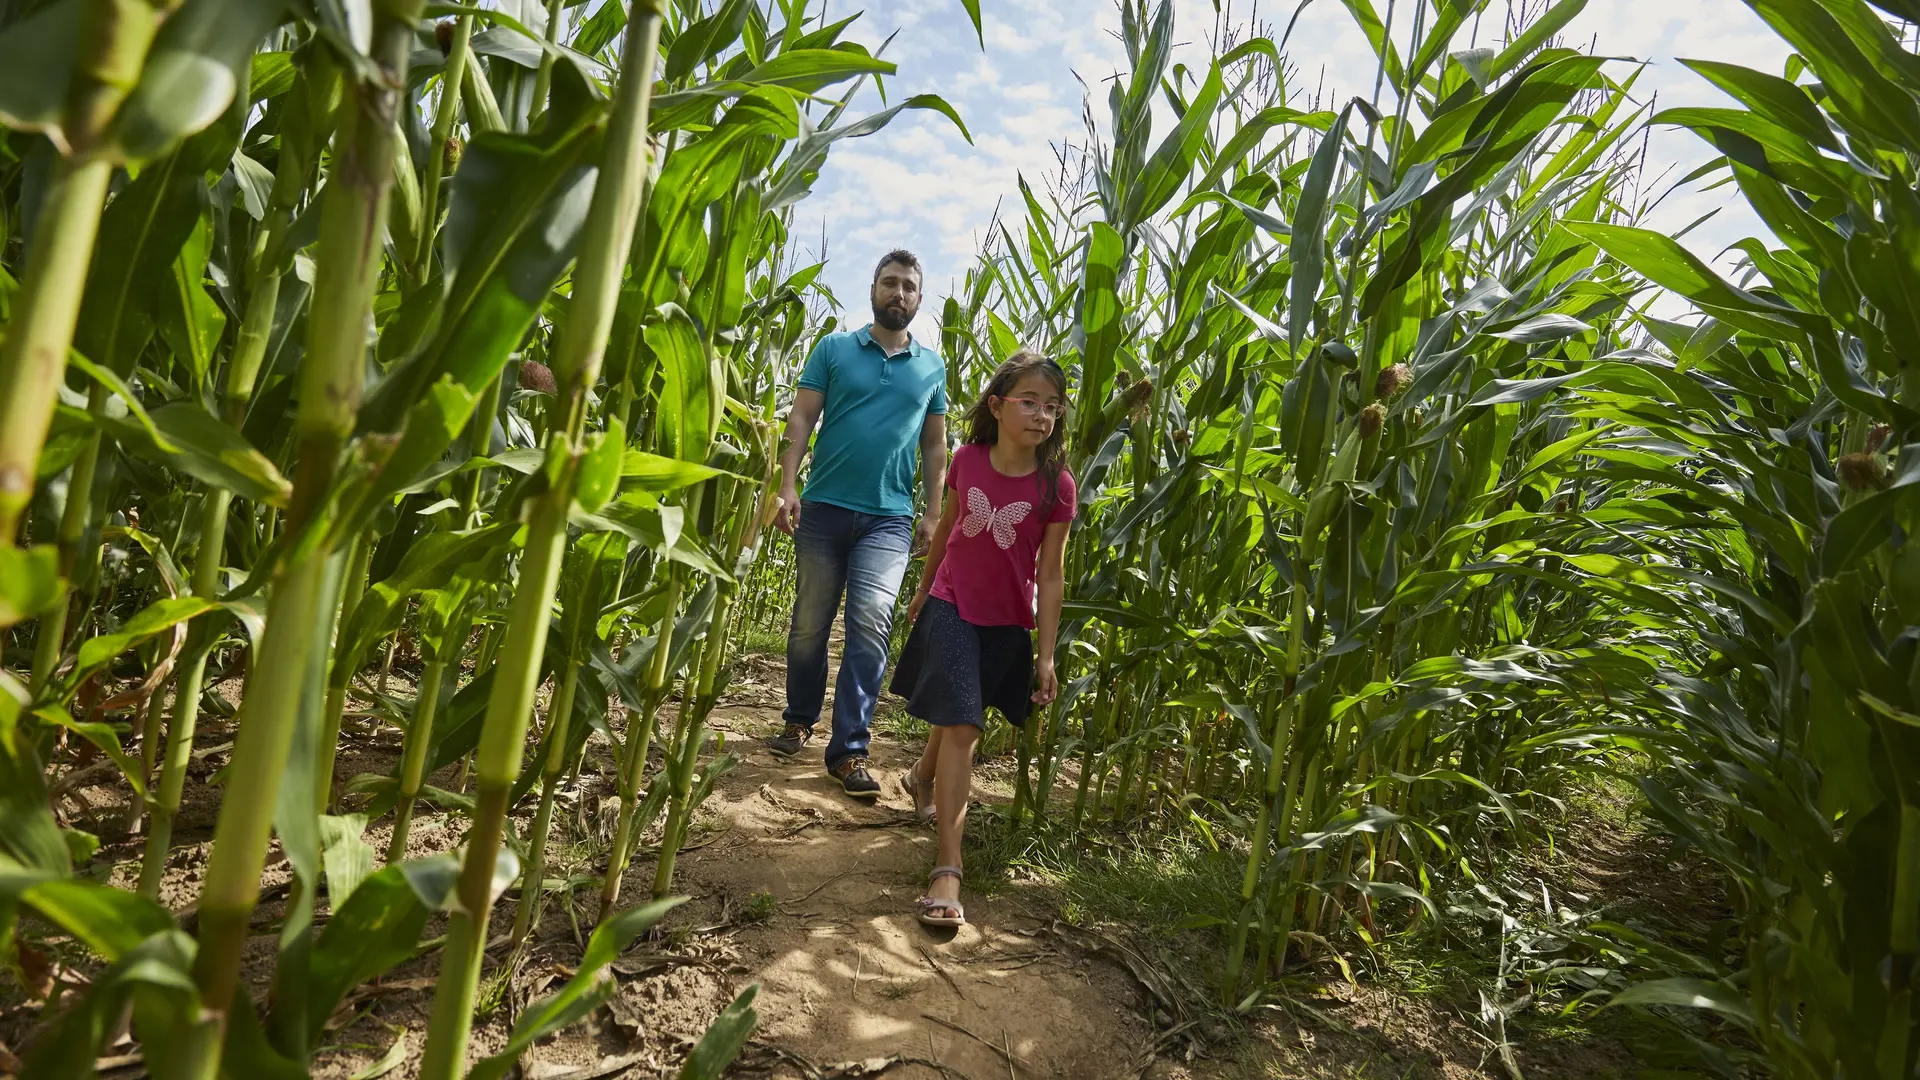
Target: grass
{"x":1148,"y":882}
{"x":891,"y":718}
{"x":759,"y":907}
{"x":764,"y":640}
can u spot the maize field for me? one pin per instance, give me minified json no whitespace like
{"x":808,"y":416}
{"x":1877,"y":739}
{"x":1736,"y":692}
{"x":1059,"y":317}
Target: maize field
{"x":408,"y":372}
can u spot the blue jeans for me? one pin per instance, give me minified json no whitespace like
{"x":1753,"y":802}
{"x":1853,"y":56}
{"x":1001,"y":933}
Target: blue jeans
{"x":863,"y":556}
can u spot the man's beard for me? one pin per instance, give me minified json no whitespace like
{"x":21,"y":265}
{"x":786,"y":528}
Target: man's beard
{"x":895,"y":319}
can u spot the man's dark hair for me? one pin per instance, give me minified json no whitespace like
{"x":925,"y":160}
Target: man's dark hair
{"x":902,"y":256}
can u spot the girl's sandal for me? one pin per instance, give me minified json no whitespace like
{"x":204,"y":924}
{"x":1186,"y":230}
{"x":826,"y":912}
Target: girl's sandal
{"x":930,"y":906}
{"x":921,"y":792}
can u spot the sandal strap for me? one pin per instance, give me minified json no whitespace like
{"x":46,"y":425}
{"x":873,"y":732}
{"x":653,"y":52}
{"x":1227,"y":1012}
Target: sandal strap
{"x":928,"y":903}
{"x":944,"y":871}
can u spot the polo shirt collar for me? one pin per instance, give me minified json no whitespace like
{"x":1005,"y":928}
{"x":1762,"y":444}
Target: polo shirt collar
{"x":864,"y":336}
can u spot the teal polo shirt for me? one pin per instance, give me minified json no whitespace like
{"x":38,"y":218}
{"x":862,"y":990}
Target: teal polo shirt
{"x":866,"y":450}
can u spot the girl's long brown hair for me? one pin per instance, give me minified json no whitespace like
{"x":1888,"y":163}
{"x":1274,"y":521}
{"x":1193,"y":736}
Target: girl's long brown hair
{"x":984,"y":430}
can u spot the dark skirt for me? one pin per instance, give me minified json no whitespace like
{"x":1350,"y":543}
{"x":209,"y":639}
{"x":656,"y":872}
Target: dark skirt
{"x":951,"y":670}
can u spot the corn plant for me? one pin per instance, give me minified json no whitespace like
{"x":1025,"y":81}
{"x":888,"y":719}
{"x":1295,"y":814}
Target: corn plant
{"x":1791,"y":742}
{"x":379,"y":325}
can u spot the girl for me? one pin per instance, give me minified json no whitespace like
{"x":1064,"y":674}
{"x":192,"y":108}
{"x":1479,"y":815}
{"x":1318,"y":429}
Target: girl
{"x":971,"y":645}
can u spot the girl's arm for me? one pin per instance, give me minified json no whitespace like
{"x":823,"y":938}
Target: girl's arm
{"x":1051,"y":575}
{"x":936,"y":550}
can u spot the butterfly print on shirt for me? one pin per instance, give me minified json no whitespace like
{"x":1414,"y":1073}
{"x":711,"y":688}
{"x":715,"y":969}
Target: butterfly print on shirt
{"x":981,"y":515}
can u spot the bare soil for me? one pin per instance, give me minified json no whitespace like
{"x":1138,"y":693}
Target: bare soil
{"x":810,"y":894}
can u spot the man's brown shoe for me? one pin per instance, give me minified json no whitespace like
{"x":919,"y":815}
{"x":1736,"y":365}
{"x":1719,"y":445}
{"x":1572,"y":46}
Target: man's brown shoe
{"x":790,"y":741}
{"x":854,"y":778}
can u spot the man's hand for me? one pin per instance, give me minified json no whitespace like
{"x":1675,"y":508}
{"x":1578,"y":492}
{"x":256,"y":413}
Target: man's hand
{"x":1049,"y":682}
{"x":923,"y":532}
{"x":914,"y":605}
{"x":787,"y":517}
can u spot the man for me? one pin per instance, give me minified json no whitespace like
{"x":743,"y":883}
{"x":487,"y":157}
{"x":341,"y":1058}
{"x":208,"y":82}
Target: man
{"x":880,"y":400}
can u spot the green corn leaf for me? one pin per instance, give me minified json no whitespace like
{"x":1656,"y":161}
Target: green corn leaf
{"x":705,"y":39}
{"x":1536,"y":35}
{"x":811,"y":70}
{"x":1375,"y":32}
{"x":693,"y":178}
{"x":272,"y":75}
{"x":583,"y":993}
{"x":1857,"y":531}
{"x":1501,"y":132}
{"x":432,"y":423}
{"x":1544,"y":328}
{"x":141,"y":233}
{"x":153,"y":977}
{"x":1172,"y":161}
{"x":1772,"y":97}
{"x":190,"y":321}
{"x":436,"y":561}
{"x":346,"y":857}
{"x":106,"y":739}
{"x":157,"y":617}
{"x":601,"y":29}
{"x":30,"y":839}
{"x":724,"y":1038}
{"x":694,"y":399}
{"x":255,"y":182}
{"x":1098,"y":325}
{"x":112,"y":381}
{"x":112,"y":922}
{"x":643,"y":471}
{"x":1856,"y":89}
{"x":376,"y":928}
{"x":515,"y":211}
{"x":1308,"y":243}
{"x":198,"y":65}
{"x":600,"y":468}
{"x":1664,"y":261}
{"x":1449,"y":17}
{"x":36,"y":63}
{"x":725,"y":279}
{"x":492,"y":16}
{"x":510,"y":43}
{"x":30,"y":582}
{"x":395,"y":1057}
{"x":1686,"y":993}
{"x":1887,"y":271}
{"x":185,"y":436}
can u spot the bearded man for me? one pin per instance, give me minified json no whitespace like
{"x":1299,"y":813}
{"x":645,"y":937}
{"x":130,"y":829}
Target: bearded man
{"x":878,"y":400}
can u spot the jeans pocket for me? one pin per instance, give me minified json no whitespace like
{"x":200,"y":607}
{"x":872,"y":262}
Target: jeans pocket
{"x":889,"y":534}
{"x":818,"y":530}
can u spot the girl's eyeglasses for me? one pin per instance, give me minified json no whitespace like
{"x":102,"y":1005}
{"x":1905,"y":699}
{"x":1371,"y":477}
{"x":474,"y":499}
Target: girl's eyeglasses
{"x":1052,"y":410}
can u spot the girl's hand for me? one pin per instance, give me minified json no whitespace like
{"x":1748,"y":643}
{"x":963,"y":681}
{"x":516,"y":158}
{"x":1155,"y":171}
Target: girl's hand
{"x":1049,"y":684}
{"x":914,"y":605}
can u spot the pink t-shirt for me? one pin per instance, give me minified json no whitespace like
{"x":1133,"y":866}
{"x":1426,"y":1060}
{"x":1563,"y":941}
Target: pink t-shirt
{"x":992,"y":552}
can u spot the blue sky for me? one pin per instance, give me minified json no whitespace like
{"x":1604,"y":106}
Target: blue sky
{"x":918,"y":184}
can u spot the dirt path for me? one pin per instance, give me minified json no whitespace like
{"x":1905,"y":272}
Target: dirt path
{"x":847,"y":972}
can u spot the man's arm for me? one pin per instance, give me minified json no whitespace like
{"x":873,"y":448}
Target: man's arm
{"x":933,"y":474}
{"x":801,"y":419}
